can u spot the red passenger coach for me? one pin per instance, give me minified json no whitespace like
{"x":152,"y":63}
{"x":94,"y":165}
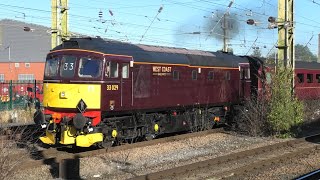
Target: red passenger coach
{"x":307,"y":80}
{"x":103,"y":92}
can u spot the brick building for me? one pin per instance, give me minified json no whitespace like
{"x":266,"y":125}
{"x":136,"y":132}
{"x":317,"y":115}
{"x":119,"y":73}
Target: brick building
{"x":23,"y":53}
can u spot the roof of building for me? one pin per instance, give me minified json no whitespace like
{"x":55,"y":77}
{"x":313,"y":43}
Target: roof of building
{"x":24,"y":46}
{"x":155,"y":54}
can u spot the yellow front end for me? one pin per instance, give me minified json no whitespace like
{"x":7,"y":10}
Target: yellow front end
{"x":69,"y":137}
{"x":56,"y":95}
{"x":67,"y":96}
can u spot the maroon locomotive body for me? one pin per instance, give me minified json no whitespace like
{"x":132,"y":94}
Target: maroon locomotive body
{"x":101,"y":92}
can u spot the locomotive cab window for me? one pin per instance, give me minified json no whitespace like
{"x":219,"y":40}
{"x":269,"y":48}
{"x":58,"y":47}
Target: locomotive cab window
{"x":318,"y":78}
{"x":194,"y":75}
{"x":125,"y":71}
{"x":51,"y":69}
{"x":67,"y":66}
{"x":176,"y":75}
{"x":210,"y":75}
{"x":112,"y":70}
{"x":89,"y":67}
{"x":309,"y":78}
{"x":300,"y":78}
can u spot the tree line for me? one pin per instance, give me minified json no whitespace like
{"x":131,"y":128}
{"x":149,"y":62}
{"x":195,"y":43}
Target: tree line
{"x":302,"y":53}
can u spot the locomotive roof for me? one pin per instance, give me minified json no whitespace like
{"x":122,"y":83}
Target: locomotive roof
{"x":155,"y":54}
{"x":307,"y":65}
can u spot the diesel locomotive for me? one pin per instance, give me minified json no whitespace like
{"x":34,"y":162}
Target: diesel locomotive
{"x":101,"y":92}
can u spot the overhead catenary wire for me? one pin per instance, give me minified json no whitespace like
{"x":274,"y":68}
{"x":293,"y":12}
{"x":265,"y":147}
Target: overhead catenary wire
{"x":77,"y":18}
{"x":159,"y":11}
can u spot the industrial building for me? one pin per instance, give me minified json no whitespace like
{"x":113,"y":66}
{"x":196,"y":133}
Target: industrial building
{"x":23,"y":49}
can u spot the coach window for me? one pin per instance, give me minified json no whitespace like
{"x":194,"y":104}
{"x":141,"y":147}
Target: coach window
{"x":194,"y":75}
{"x":125,"y":71}
{"x":68,"y":64}
{"x":112,"y":70}
{"x":300,"y":78}
{"x":268,"y":78}
{"x":309,"y":78}
{"x":210,"y":75}
{"x":318,"y":77}
{"x":176,"y":75}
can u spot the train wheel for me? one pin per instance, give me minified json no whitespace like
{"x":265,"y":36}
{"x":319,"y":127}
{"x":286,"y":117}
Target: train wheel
{"x":106,"y":143}
{"x":149,"y":137}
{"x":210,"y":125}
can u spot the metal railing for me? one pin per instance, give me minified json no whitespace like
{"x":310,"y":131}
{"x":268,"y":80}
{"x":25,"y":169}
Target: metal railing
{"x":20,"y":94}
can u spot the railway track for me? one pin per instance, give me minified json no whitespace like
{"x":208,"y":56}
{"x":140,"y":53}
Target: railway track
{"x":237,"y":165}
{"x":19,"y":132}
{"x":56,"y":155}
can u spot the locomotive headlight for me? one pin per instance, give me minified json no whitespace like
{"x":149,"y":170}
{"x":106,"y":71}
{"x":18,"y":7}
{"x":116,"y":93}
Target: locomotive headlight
{"x":63,"y":95}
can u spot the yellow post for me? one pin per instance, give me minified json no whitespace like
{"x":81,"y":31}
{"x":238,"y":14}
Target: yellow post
{"x":285,"y":23}
{"x":64,"y":20}
{"x":54,"y":23}
{"x":59,"y":23}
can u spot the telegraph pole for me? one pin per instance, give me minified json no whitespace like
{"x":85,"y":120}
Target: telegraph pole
{"x":225,"y":32}
{"x":319,"y":48}
{"x":59,"y":22}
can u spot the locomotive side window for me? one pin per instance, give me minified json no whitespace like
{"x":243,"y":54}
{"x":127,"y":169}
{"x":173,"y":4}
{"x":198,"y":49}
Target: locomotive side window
{"x":89,"y":67}
{"x":210,"y":75}
{"x":67,"y":66}
{"x":318,"y":77}
{"x":247,"y":73}
{"x":176,"y":75}
{"x":309,"y":78}
{"x":300,"y":78}
{"x":227,"y":76}
{"x":242,"y":74}
{"x":125,"y":71}
{"x":51,"y":69}
{"x":112,"y":70}
{"x":194,"y":75}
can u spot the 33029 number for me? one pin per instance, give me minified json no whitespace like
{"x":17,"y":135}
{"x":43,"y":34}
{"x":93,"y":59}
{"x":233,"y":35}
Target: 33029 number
{"x":113,"y":87}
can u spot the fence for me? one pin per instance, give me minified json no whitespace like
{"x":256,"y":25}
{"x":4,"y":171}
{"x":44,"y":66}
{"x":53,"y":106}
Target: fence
{"x":19,"y":94}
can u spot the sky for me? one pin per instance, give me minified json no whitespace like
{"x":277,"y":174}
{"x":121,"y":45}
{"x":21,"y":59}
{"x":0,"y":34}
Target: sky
{"x":191,"y":24}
